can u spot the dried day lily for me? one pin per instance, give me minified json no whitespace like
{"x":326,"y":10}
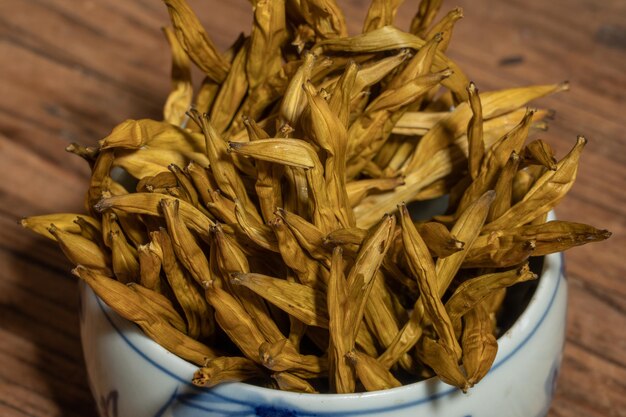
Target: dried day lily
{"x":303,"y":302}
{"x":235,"y":321}
{"x":307,"y":234}
{"x":294,"y":256}
{"x":372,"y":375}
{"x":232,"y":260}
{"x":225,"y":369}
{"x":267,"y":226}
{"x":383,"y":314}
{"x":161,"y":305}
{"x":471,"y":292}
{"x":62,"y":221}
{"x":124,"y":256}
{"x":289,"y":382}
{"x":189,"y":297}
{"x":282,"y":356}
{"x":341,"y":375}
{"x":148,"y":203}
{"x":128,"y":304}
{"x":81,"y":251}
{"x":547,"y":191}
{"x":479,"y":344}
{"x":423,"y":268}
{"x":445,"y":366}
{"x":195,"y":41}
{"x":476,"y":144}
{"x":540,"y":152}
{"x":181,"y":96}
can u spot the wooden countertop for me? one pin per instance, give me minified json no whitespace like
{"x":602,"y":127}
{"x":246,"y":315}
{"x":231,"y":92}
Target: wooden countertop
{"x":72,"y":69}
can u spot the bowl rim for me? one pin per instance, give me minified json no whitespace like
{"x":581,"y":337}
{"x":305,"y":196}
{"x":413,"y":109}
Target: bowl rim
{"x":511,"y":342}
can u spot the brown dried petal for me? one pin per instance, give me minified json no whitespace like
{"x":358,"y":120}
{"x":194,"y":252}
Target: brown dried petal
{"x":471,"y":292}
{"x":235,"y":321}
{"x":62,"y":221}
{"x":445,"y":366}
{"x":547,"y":191}
{"x":225,"y":369}
{"x":187,"y":250}
{"x":282,"y":356}
{"x":198,"y":314}
{"x":289,"y":382}
{"x":425,"y":15}
{"x":381,"y":13}
{"x":180,"y":97}
{"x":479,"y":344}
{"x":161,"y":305}
{"x":371,"y":373}
{"x":128,"y":304}
{"x":540,"y":152}
{"x":81,"y":251}
{"x":149,"y":203}
{"x":304,"y":303}
{"x":341,"y":374}
{"x":423,"y":269}
{"x":195,"y":40}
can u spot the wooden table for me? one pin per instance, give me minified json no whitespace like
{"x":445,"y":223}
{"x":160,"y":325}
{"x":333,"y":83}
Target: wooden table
{"x":72,"y":69}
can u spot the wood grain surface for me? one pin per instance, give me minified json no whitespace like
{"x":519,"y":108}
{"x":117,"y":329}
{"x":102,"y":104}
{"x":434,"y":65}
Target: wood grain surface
{"x":72,"y":69}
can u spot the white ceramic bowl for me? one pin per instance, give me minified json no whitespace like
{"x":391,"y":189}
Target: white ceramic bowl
{"x":131,"y":376}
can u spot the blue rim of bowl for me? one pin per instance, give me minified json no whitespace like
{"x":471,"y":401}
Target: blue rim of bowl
{"x":558,"y":258}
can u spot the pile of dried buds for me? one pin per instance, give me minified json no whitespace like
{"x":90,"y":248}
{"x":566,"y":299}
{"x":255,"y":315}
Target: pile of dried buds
{"x":258,"y":240}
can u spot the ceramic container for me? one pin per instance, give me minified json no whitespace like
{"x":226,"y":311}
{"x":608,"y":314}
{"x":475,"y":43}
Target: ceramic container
{"x":131,"y":376}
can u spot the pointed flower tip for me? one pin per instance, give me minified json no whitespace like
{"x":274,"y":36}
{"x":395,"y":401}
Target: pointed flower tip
{"x":529,"y":112}
{"x":192,"y":112}
{"x":77,"y":270}
{"x":404,"y":211}
{"x":351,"y":357}
{"x":465,"y":388}
{"x":167,"y":203}
{"x":233,"y":146}
{"x":236,"y":278}
{"x":491,"y":194}
{"x":53,"y":229}
{"x":216,"y":229}
{"x":277,"y":221}
{"x":102,"y":205}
